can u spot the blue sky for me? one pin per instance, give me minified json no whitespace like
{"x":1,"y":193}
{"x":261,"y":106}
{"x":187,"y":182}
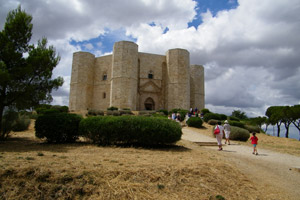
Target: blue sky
{"x":249,"y":48}
{"x":104,"y":42}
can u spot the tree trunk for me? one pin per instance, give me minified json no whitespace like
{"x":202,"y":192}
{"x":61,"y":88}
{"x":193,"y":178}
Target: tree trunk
{"x":278,"y":129}
{"x":287,"y":128}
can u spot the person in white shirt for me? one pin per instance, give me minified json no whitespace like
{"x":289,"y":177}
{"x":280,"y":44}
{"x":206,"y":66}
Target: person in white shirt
{"x":219,"y":136}
{"x":227,"y":132}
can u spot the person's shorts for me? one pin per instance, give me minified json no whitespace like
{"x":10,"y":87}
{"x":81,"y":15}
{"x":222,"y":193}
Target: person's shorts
{"x":254,"y":145}
{"x":227,"y":134}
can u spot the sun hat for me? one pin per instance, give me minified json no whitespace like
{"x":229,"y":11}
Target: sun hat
{"x":226,"y":122}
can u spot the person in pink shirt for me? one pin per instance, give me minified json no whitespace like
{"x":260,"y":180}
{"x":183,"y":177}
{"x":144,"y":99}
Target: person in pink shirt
{"x":254,"y":140}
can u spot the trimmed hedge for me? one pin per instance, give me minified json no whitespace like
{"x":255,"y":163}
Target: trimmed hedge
{"x":49,"y":109}
{"x":210,"y":116}
{"x":236,"y":123}
{"x":58,"y":127}
{"x":112,"y":108}
{"x":130,"y":129}
{"x":92,"y":112}
{"x":195,"y":122}
{"x":237,"y":133}
{"x":164,"y":111}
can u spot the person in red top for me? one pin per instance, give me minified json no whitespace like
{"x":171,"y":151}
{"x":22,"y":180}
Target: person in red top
{"x":254,"y":140}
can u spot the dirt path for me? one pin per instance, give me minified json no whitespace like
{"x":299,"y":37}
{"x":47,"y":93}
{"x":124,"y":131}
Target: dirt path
{"x":268,"y":169}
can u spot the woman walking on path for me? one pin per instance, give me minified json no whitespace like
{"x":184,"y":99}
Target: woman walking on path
{"x":219,"y":135}
{"x":227,"y":132}
{"x":254,"y":140}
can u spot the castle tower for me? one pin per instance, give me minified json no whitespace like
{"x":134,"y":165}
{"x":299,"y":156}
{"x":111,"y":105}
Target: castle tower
{"x":197,"y":86}
{"x":124,"y":79}
{"x":81,"y":86}
{"x":178,"y":83}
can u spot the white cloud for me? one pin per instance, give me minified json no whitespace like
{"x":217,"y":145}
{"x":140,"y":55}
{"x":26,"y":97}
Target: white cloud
{"x":250,"y":54}
{"x":88,"y":46}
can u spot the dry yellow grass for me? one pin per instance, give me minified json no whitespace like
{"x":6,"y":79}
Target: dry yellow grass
{"x":30,"y":169}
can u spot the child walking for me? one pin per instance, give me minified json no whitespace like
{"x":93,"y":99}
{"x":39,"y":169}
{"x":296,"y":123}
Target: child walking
{"x":254,"y":140}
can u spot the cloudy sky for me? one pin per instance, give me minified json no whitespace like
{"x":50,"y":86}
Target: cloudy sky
{"x":250,"y":49}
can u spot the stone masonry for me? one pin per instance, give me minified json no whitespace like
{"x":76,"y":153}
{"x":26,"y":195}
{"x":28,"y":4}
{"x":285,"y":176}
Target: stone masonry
{"x":135,"y":80}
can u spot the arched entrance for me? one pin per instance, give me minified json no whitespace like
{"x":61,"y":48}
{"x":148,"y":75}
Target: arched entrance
{"x":149,"y":104}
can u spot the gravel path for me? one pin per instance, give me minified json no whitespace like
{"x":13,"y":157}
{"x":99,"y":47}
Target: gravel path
{"x":269,"y":168}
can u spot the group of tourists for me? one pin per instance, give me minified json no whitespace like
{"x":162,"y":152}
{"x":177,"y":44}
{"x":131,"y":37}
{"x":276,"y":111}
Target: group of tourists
{"x":225,"y":129}
{"x":194,"y":113}
{"x":176,"y":117}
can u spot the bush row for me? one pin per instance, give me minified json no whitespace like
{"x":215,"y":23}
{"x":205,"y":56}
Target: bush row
{"x":49,"y":109}
{"x":130,"y":129}
{"x":65,"y":127}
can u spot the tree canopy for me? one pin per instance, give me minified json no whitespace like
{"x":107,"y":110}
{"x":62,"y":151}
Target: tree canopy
{"x":286,"y":115}
{"x":25,"y":69}
{"x":239,"y":114}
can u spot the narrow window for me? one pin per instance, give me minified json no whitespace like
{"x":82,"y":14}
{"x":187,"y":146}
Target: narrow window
{"x":150,"y":75}
{"x":104,"y":78}
{"x":104,"y":95}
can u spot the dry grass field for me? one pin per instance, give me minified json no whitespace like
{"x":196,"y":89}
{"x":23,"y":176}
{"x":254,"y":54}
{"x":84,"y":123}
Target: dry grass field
{"x":31,"y":169}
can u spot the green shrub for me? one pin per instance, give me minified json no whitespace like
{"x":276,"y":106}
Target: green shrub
{"x":113,"y":112}
{"x":164,"y":111}
{"x":61,"y":108}
{"x":232,"y":118}
{"x":8,"y":121}
{"x":125,"y":112}
{"x":58,"y":127}
{"x":238,"y":124}
{"x":49,"y":109}
{"x":223,"y":117}
{"x":112,"y":108}
{"x":251,"y":128}
{"x":212,"y":121}
{"x":21,"y":123}
{"x":237,"y":133}
{"x":130,"y":129}
{"x":195,"y":122}
{"x":205,"y":111}
{"x":92,"y":112}
{"x":146,"y":112}
{"x":209,"y":116}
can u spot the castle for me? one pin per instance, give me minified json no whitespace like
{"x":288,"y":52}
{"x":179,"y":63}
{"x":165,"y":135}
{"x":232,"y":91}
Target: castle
{"x":135,"y":80}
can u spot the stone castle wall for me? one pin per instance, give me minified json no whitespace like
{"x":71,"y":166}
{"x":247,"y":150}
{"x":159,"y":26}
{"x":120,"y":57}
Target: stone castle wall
{"x":135,"y":80}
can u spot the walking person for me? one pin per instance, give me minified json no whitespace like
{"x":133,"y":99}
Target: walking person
{"x":254,"y":140}
{"x":219,"y":131}
{"x":227,"y":132}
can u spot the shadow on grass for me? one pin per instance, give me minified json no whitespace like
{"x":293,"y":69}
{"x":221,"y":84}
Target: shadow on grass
{"x":155,"y":147}
{"x":27,"y":144}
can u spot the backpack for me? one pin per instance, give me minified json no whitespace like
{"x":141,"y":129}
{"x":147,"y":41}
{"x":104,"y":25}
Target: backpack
{"x":217,"y":130}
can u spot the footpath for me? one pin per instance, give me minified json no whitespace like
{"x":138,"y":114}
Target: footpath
{"x":268,"y":167}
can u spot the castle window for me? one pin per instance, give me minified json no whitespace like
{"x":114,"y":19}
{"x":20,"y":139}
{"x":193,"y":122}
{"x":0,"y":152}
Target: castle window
{"x":150,"y":75}
{"x":104,"y":95}
{"x":104,"y":78}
